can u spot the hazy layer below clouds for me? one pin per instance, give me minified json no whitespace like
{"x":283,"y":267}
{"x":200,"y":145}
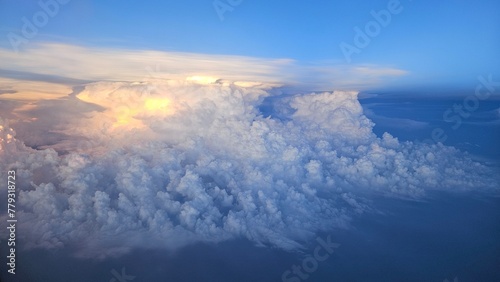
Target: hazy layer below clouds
{"x":447,"y":236}
{"x":165,"y":164}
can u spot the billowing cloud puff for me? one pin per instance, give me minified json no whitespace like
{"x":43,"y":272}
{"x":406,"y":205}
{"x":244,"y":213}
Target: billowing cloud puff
{"x":170,"y":163}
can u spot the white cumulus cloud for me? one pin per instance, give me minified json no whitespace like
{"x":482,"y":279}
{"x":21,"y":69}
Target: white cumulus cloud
{"x":165,"y":164}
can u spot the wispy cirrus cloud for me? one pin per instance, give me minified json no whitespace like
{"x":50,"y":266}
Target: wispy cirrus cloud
{"x":64,"y":63}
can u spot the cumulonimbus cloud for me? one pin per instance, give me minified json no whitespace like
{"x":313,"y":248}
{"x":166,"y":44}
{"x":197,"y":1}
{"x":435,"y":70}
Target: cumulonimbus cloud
{"x":165,"y":164}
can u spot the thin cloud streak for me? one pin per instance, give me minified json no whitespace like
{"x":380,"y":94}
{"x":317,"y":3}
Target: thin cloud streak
{"x":72,"y":62}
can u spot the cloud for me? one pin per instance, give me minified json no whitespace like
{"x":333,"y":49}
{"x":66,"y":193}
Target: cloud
{"x":26,"y":90}
{"x":207,"y":166}
{"x":64,"y":63}
{"x":96,"y":64}
{"x":7,"y":92}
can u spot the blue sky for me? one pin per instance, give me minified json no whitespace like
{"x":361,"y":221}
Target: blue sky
{"x":446,"y":43}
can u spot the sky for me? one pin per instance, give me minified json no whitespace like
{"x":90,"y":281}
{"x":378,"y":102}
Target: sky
{"x":450,"y":42}
{"x":161,"y":140}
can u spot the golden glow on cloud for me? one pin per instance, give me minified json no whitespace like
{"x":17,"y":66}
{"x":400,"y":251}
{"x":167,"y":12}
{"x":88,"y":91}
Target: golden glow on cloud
{"x":124,"y":116}
{"x":202,"y":79}
{"x":5,"y":135}
{"x":126,"y":113}
{"x":157,"y":105}
{"x":129,"y":117}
